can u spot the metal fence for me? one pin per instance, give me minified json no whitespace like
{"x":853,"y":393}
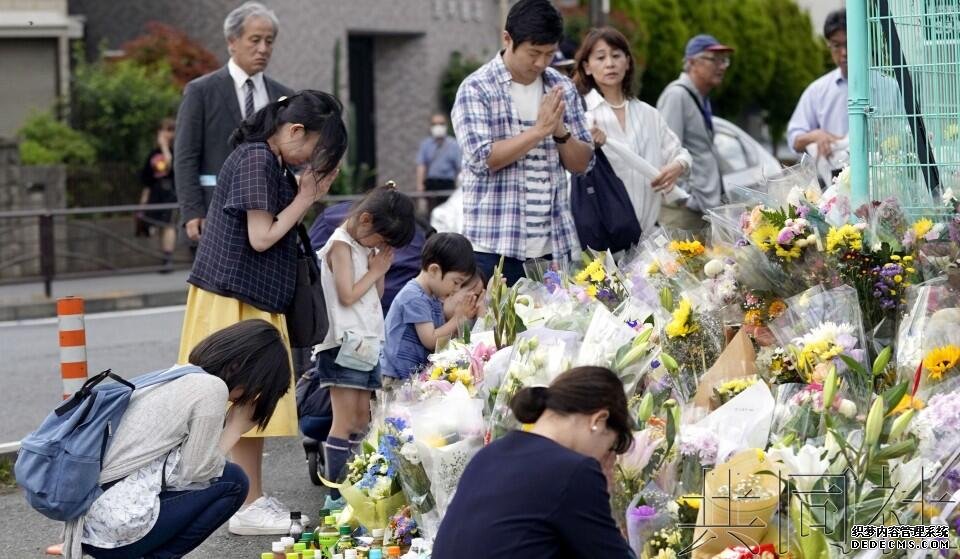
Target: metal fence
{"x":49,"y":244}
{"x":904,"y":70}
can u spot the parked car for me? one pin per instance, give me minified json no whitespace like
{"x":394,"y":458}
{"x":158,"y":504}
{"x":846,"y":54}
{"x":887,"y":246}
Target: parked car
{"x":746,"y":162}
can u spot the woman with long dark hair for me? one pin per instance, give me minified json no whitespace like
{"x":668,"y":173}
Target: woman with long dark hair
{"x":543,"y":493}
{"x":246,"y":262}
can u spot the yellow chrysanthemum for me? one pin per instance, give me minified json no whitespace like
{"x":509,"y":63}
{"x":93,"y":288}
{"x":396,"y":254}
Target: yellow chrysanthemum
{"x":436,"y":373}
{"x":687,"y":248}
{"x":653,"y":269}
{"x":846,"y":236}
{"x":592,"y":291}
{"x":941,"y":360}
{"x":681,"y":324}
{"x":906,"y":403}
{"x":765,"y":237}
{"x":921,"y":227}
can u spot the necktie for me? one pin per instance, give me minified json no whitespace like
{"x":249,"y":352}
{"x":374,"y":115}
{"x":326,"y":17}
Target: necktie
{"x":248,"y":103}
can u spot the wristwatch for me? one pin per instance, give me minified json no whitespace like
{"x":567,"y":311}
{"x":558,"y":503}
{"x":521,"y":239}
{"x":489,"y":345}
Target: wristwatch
{"x":562,"y":139}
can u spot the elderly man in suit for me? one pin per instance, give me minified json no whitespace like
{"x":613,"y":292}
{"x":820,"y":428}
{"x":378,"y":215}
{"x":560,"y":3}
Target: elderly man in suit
{"x":214,"y":105}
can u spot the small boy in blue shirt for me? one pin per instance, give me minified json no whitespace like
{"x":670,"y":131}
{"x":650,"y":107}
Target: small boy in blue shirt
{"x":416,"y":320}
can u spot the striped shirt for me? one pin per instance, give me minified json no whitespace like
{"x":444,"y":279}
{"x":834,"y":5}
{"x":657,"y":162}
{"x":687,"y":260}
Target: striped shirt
{"x":538,"y":195}
{"x":494,"y":202}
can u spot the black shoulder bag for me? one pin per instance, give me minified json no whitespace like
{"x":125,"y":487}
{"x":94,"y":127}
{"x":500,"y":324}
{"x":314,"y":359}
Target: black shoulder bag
{"x":307,"y":321}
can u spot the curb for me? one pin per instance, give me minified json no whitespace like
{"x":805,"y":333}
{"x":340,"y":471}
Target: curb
{"x":27,"y":311}
{"x":9,"y":450}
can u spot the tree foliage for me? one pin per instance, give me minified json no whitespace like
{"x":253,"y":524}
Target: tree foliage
{"x":162,"y":44}
{"x":799,"y":59}
{"x":44,"y":140}
{"x":457,"y":70}
{"x":667,"y":37}
{"x":119,"y":104}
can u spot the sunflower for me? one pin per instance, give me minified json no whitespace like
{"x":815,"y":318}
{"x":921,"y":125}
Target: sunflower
{"x":941,"y":360}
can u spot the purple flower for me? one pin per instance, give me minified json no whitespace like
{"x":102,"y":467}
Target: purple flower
{"x":642,"y":513}
{"x":633,"y":323}
{"x":551,"y":280}
{"x":786,"y":236}
{"x":655,"y":364}
{"x":802,"y":211}
{"x":742,"y":242}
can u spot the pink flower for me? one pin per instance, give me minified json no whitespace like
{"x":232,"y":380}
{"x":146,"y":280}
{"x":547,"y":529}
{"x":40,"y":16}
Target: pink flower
{"x":645,"y":443}
{"x":786,"y":236}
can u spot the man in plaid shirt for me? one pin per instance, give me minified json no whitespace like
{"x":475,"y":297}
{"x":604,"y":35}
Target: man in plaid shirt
{"x":520,"y":123}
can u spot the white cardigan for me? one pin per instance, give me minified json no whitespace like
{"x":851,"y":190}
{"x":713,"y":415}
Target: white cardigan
{"x":650,"y":136}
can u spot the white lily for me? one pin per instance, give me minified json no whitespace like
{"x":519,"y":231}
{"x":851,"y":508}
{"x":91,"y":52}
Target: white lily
{"x":805,"y":467}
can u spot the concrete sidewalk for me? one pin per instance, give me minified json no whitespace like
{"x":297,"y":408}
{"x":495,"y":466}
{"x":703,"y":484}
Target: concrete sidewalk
{"x":102,"y":294}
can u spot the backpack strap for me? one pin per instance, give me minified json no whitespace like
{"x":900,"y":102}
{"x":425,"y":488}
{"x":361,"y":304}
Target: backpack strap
{"x":708,"y":122}
{"x":172,"y":373}
{"x":87,"y":388}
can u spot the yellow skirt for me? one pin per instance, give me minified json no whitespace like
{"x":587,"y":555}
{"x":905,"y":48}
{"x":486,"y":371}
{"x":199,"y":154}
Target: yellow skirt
{"x":208,"y":313}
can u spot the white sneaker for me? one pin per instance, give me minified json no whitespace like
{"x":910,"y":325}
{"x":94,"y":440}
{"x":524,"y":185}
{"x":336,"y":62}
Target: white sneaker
{"x":276,"y":505}
{"x":259,"y":519}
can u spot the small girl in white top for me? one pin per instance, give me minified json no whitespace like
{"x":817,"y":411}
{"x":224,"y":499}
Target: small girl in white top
{"x":604,"y":75}
{"x":353,"y":264}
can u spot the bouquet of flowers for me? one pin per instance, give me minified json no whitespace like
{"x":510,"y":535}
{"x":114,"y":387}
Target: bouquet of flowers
{"x":691,"y":254}
{"x":538,"y":357}
{"x":405,"y":457}
{"x":727,"y":390}
{"x":447,"y":432}
{"x":371,"y":487}
{"x":823,"y":330}
{"x":789,"y":240}
{"x":617,"y":345}
{"x":933,"y":311}
{"x":777,"y":365}
{"x":600,"y":279}
{"x":799,"y":415}
{"x":691,"y":342}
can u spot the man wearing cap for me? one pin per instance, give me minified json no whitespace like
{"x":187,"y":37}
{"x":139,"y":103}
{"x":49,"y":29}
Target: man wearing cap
{"x":685,"y":105}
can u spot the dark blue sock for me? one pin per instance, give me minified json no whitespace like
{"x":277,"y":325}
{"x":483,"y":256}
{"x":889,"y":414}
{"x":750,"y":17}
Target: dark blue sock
{"x":336,"y":452}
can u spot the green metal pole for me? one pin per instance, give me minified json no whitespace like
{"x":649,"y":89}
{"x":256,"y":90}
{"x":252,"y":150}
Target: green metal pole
{"x":858,"y":95}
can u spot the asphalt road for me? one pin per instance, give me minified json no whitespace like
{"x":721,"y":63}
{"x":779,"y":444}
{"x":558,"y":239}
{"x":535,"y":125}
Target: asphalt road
{"x":130,"y":343}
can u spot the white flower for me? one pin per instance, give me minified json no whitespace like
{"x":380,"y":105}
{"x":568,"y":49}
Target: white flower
{"x":410,"y":453}
{"x":713,"y":268}
{"x":826,"y":331}
{"x":847,"y":409}
{"x":905,"y":477}
{"x":796,"y":196}
{"x":805,"y":467}
{"x":947,"y":197}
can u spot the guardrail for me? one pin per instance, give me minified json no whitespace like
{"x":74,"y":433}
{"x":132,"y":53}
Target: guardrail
{"x":51,"y":243}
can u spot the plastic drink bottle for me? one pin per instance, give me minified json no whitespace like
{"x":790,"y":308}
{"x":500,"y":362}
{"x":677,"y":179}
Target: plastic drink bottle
{"x":346,"y":540}
{"x":296,"y":527}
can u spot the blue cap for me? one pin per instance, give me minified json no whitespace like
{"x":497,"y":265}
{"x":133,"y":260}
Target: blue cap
{"x":704,"y":43}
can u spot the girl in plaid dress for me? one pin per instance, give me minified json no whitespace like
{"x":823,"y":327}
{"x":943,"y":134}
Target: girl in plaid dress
{"x":246,"y":262}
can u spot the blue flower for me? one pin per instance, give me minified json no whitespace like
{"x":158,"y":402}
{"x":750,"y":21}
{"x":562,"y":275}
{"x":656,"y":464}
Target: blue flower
{"x":655,"y":364}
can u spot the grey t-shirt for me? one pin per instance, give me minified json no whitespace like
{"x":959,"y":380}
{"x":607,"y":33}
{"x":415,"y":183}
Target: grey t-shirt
{"x":685,"y":119}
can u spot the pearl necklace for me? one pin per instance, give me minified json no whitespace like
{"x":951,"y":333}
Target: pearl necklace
{"x":620,"y":106}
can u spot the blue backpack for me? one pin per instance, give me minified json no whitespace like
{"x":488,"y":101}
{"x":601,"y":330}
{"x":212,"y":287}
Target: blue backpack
{"x":59,"y":464}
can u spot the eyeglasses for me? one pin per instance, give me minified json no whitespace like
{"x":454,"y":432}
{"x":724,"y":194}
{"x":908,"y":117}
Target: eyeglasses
{"x":721,"y":61}
{"x":836,"y":47}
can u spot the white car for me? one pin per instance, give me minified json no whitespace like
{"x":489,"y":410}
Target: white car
{"x":747,"y":162}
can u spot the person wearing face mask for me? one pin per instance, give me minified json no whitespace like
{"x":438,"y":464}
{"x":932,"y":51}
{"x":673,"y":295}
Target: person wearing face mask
{"x":685,"y":105}
{"x":438,"y":160}
{"x":505,"y":505}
